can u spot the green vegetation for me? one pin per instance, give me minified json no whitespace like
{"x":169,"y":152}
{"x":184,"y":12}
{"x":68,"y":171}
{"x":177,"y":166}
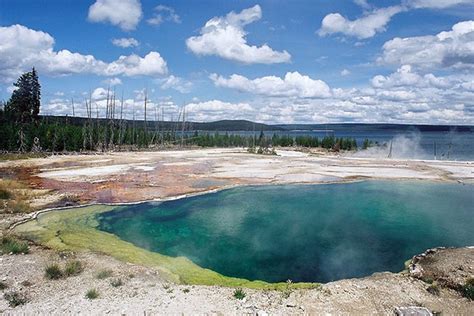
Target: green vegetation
{"x":53,"y":272}
{"x":239,"y":294}
{"x":3,"y":286}
{"x":73,"y":267}
{"x":116,"y":282}
{"x":92,"y":294}
{"x":24,"y":104}
{"x":61,"y":136}
{"x":76,"y":230}
{"x":433,"y":288}
{"x":14,"y":246}
{"x":5,"y":195}
{"x":186,"y":290}
{"x":15,"y":299}
{"x":104,"y":274}
{"x":289,"y":289}
{"x":467,"y":289}
{"x":367,"y":143}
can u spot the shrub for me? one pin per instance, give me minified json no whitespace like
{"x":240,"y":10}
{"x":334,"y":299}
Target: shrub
{"x":288,"y":289}
{"x":15,"y":299}
{"x":467,"y":289}
{"x":73,"y":267}
{"x":92,"y":294}
{"x":3,"y":285}
{"x":116,"y":282}
{"x":5,"y":195}
{"x":53,"y":272}
{"x":185,"y":290}
{"x":13,"y":246}
{"x":239,"y":294}
{"x":428,"y":280}
{"x":433,"y":288}
{"x":104,"y":274}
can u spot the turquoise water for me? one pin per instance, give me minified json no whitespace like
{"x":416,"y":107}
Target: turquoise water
{"x":312,"y":233}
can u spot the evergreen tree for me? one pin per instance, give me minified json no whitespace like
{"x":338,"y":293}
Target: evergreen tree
{"x":24,"y":104}
{"x":35,"y":95}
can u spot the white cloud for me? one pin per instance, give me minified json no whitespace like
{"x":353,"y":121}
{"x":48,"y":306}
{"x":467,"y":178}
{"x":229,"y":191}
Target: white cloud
{"x":176,"y":83}
{"x":363,"y":4}
{"x":133,"y":65}
{"x":453,"y":49}
{"x":113,"y":81}
{"x":225,"y":37}
{"x":435,"y":4}
{"x":125,"y":42}
{"x":365,"y":27}
{"x":22,"y":48}
{"x":218,"y":110}
{"x":100,"y":94}
{"x":125,"y":14}
{"x":292,"y":85}
{"x":162,"y":14}
{"x":345,"y":72}
{"x":403,"y":77}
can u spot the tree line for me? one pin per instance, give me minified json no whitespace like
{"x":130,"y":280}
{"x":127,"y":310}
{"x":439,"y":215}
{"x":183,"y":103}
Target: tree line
{"x":22,"y":129}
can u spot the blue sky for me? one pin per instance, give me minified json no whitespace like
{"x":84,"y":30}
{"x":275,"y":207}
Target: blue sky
{"x":269,"y":61}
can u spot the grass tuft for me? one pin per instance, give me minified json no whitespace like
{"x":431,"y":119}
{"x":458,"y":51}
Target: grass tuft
{"x":15,"y":299}
{"x":116,"y":282}
{"x":53,"y":272}
{"x":467,"y":289}
{"x":13,"y":246}
{"x":104,"y":274}
{"x":92,"y":294}
{"x":73,"y":267}
{"x":239,"y":294}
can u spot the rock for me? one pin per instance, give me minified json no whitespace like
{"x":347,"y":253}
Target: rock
{"x":413,"y":311}
{"x":416,"y":271}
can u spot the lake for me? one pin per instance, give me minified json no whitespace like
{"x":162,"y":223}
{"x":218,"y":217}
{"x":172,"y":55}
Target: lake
{"x":310,"y":233}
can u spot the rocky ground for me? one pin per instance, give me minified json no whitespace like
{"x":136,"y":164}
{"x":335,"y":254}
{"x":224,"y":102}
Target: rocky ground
{"x":434,"y":282}
{"x":144,"y":292}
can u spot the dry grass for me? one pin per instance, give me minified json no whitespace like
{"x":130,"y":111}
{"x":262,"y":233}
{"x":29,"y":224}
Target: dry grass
{"x":16,"y":197}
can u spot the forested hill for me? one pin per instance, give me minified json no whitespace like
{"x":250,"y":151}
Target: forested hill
{"x":224,"y":125}
{"x":244,"y":125}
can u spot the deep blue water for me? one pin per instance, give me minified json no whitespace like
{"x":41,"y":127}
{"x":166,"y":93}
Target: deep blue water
{"x":314,"y":233}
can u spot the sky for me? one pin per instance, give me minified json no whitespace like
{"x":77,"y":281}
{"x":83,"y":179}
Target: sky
{"x":270,"y":61}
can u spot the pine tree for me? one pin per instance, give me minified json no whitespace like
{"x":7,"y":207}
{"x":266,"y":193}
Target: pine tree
{"x":35,"y":95}
{"x":24,"y":104}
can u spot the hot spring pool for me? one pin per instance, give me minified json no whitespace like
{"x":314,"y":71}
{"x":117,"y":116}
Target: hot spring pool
{"x":306,"y":233}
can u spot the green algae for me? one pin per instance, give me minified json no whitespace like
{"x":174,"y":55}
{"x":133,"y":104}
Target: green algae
{"x":76,"y":230}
